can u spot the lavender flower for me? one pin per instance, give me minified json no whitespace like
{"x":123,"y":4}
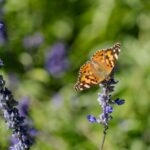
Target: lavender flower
{"x":33,"y":41}
{"x":13,"y":120}
{"x":106,"y":102}
{"x":23,"y":108}
{"x":56,"y":62}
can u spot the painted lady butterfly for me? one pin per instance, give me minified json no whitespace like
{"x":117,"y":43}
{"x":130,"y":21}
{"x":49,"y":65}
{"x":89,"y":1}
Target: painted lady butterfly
{"x":98,"y":68}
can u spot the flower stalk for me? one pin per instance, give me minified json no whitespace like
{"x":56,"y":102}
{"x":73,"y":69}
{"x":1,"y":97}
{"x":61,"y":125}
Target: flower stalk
{"x":14,"y":121}
{"x":106,"y":103}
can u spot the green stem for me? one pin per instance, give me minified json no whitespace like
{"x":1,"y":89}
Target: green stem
{"x":103,"y":139}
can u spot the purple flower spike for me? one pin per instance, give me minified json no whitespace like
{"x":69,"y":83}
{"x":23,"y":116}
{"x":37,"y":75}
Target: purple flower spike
{"x":105,"y":102}
{"x":91,"y":118}
{"x":109,"y":109}
{"x":8,"y":105}
{"x":119,"y":101}
{"x":13,"y":119}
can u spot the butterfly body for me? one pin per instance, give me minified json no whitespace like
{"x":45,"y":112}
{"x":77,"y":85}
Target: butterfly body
{"x":98,"y":68}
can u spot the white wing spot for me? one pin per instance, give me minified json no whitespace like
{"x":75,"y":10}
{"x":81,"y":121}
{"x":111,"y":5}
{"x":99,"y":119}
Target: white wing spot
{"x":94,"y":82}
{"x":87,"y":86}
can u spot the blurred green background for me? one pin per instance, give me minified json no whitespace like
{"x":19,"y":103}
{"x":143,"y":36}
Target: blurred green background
{"x":43,"y":46}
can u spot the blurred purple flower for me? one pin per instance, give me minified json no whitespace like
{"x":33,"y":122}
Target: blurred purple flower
{"x":3,"y":34}
{"x":56,"y":62}
{"x":12,"y":118}
{"x":33,"y":41}
{"x":24,"y":106}
{"x":33,"y":132}
{"x":14,"y":141}
{"x":2,"y":1}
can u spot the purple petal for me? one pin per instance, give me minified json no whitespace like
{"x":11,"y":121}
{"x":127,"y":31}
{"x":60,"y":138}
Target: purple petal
{"x":119,"y":101}
{"x":109,"y":109}
{"x":14,"y":140}
{"x":33,"y":132}
{"x":91,"y":118}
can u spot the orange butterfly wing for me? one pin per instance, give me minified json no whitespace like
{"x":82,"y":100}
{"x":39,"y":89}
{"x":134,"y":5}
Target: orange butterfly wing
{"x":87,"y":77}
{"x":106,"y":58}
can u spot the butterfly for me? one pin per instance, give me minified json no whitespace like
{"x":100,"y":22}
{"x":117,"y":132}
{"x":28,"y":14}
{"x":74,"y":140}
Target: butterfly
{"x":98,"y":68}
